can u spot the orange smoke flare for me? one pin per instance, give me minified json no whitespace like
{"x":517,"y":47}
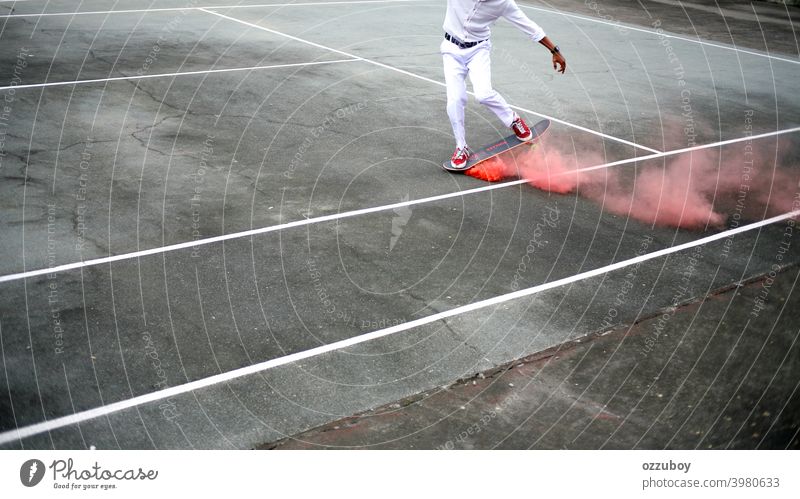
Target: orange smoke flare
{"x":695,"y":190}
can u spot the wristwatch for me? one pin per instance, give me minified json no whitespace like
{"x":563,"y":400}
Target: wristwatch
{"x":555,"y":50}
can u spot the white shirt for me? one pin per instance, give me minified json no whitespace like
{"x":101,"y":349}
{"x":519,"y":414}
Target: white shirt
{"x":469,"y":20}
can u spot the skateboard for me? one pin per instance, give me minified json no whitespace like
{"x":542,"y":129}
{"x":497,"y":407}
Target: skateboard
{"x":499,"y":147}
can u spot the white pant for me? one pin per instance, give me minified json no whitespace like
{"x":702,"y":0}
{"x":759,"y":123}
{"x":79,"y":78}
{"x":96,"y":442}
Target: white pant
{"x":475,"y":62}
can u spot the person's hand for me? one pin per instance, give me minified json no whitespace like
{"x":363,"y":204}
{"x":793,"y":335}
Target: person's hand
{"x":559,"y":63}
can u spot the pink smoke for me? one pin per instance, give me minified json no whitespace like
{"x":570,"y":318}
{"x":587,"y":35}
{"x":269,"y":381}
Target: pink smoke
{"x":693,"y":190}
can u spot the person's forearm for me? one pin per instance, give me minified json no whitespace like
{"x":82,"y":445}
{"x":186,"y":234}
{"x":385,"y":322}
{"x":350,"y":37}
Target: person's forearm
{"x":547,"y":43}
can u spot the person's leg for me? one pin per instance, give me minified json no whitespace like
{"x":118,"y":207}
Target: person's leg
{"x":455,"y":74}
{"x":480,"y":74}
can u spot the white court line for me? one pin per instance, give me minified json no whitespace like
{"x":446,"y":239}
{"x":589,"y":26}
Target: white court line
{"x":174,"y":9}
{"x":82,"y":416}
{"x":687,"y":149}
{"x":362,"y":211}
{"x":166,"y":75}
{"x":429,"y":80}
{"x":664,"y":34}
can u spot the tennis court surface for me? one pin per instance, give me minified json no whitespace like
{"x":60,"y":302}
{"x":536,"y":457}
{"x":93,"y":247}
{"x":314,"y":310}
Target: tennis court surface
{"x":225,"y":224}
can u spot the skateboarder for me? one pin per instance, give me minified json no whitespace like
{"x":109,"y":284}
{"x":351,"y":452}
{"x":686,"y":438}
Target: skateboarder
{"x":465,"y":51}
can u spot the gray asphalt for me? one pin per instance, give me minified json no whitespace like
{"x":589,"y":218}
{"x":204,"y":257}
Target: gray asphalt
{"x":114,"y":167}
{"x":691,"y":382}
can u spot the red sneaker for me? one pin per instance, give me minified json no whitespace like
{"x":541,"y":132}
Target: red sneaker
{"x":521,"y":129}
{"x":460,"y":157}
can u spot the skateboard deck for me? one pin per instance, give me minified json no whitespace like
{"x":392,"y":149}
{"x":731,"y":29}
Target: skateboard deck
{"x":500,"y":147}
